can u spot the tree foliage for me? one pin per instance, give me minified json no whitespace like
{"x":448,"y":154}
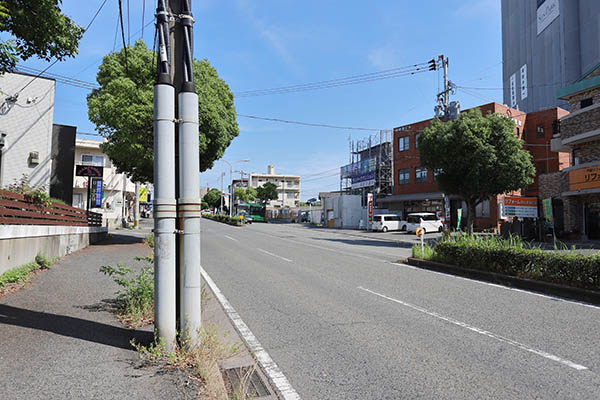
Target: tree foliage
{"x":266,"y":192}
{"x":122,"y":110}
{"x":241,"y":195}
{"x":213,"y":198}
{"x":39,"y":29}
{"x":476,"y":157}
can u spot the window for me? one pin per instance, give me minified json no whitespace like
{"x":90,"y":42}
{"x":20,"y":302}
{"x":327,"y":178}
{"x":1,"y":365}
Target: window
{"x":96,"y":161}
{"x":482,"y":210}
{"x":403,"y":176}
{"x":391,"y":218}
{"x":403,"y":144}
{"x":291,"y":195}
{"x":540,"y":131}
{"x":417,"y":139}
{"x":586,"y":102}
{"x":377,"y":218}
{"x":555,"y":127}
{"x":421,"y":174}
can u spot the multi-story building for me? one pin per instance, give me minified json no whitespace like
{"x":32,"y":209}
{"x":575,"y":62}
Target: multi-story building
{"x":288,"y":187}
{"x":415,"y":187}
{"x":575,"y":191}
{"x":546,"y":45}
{"x":117,"y":197}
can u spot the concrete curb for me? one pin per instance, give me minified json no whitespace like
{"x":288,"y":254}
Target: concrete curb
{"x":568,"y":292}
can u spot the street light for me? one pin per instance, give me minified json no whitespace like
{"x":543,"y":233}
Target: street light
{"x":231,"y":185}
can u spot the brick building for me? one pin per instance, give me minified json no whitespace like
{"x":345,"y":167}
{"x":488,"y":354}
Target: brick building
{"x":575,"y":191}
{"x":415,"y":188}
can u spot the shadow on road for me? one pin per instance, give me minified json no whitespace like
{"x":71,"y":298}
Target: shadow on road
{"x":78,"y":328}
{"x":122,"y":238}
{"x":367,"y":242}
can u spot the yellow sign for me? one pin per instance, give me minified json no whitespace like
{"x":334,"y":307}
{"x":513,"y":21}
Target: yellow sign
{"x":143,"y":194}
{"x":420,"y":231}
{"x":584,"y":178}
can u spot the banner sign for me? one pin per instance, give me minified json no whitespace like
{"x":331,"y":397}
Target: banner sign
{"x":547,"y":207}
{"x":89,"y":170}
{"x":521,"y":207}
{"x":96,"y":192}
{"x":358,"y":168}
{"x":370,"y":205}
{"x":546,"y":13}
{"x":143,"y":194}
{"x":362,"y":181}
{"x":584,"y":178}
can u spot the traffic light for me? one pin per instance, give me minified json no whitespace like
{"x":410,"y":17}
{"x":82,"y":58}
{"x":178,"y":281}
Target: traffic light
{"x":432,"y":64}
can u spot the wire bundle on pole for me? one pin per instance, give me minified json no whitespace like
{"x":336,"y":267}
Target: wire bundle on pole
{"x":187,"y":22}
{"x":164,"y":44}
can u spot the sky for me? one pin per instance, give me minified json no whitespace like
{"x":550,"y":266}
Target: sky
{"x":264,"y":44}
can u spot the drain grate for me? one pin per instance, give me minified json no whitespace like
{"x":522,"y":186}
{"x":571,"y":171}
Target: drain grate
{"x":248,"y":378}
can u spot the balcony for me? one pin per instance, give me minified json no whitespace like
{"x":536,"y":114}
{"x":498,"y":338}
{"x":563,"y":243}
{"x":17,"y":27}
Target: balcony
{"x":585,"y":121}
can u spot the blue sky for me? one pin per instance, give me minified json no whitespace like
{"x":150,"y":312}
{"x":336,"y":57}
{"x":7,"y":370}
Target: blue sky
{"x":272,"y":43}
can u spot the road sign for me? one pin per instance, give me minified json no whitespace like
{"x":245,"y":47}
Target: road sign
{"x":89,"y":170}
{"x":419,"y":232}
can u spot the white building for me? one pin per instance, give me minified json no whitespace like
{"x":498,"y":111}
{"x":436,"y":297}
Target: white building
{"x":288,"y":187}
{"x":116,"y":188}
{"x":26,"y":116}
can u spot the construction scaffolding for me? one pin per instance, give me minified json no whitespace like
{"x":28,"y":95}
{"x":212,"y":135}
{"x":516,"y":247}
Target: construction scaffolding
{"x":370,"y":168}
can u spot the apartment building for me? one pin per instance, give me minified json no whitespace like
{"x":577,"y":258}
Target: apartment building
{"x":415,"y":187}
{"x":288,"y":187}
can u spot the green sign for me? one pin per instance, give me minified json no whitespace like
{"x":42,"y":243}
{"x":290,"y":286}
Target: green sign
{"x":547,"y":206}
{"x":459,"y":212}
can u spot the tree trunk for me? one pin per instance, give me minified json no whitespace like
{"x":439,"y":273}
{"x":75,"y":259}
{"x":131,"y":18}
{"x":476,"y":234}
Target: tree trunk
{"x":471,"y":204}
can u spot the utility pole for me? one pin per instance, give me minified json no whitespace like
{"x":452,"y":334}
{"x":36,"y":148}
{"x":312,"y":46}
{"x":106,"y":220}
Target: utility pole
{"x":222,"y":175}
{"x":136,"y":210}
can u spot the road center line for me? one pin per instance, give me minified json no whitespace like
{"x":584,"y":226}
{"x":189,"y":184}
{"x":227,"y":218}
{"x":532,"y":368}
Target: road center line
{"x":274,"y":255}
{"x":481,"y":331}
{"x":230,"y":238}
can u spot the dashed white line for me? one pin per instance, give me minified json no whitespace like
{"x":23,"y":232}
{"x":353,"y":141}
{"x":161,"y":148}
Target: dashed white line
{"x":230,"y":238}
{"x":271,"y":369}
{"x":274,"y":255}
{"x":499,"y":338}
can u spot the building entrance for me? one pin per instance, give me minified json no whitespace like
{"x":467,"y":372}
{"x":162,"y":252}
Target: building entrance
{"x":593,"y":221}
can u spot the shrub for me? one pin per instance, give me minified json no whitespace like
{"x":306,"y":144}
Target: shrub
{"x":21,"y":273}
{"x":226,"y":219}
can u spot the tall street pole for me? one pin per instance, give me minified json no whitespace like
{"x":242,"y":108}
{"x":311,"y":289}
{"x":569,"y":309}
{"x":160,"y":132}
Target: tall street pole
{"x":222,"y":175}
{"x":136,"y":210}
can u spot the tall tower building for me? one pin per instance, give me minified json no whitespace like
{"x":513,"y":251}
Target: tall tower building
{"x":546,"y":45}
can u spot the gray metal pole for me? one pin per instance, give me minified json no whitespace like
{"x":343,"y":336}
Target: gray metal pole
{"x":222,"y":175}
{"x":136,"y":210}
{"x":230,"y":191}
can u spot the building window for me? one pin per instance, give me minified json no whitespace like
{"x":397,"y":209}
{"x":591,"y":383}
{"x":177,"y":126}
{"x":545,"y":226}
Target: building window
{"x":540,"y":131}
{"x":403,"y":143}
{"x":403,"y":176}
{"x":417,"y":140}
{"x":555,"y":127}
{"x":421,"y":174}
{"x":482,"y":210}
{"x":586,"y":102}
{"x":96,"y":161}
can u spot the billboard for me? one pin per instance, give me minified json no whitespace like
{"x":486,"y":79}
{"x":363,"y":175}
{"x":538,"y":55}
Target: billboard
{"x":522,"y":207}
{"x":358,"y":168}
{"x":362,"y":181}
{"x":584,"y":178}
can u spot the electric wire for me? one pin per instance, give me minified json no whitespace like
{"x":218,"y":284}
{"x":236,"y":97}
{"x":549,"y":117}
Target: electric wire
{"x":95,"y":15}
{"x":128,"y":26}
{"x":143,"y":17}
{"x":308,"y":123}
{"x":123,"y":36}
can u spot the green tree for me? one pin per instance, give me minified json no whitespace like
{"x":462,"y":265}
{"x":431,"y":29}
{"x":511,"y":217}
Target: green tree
{"x":241,"y":194}
{"x":476,"y":157}
{"x":213,"y":198}
{"x":252,"y":194}
{"x":266,"y":192}
{"x":122,"y":110}
{"x":39,"y":29}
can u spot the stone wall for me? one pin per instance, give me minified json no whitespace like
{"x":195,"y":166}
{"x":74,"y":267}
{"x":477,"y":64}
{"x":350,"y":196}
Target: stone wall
{"x":574,"y":102}
{"x":587,"y":152}
{"x":588,"y":120}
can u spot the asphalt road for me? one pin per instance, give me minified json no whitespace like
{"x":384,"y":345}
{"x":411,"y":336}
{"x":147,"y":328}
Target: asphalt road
{"x":344,"y":322}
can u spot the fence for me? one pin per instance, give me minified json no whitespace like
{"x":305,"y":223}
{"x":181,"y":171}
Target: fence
{"x":17,"y":209}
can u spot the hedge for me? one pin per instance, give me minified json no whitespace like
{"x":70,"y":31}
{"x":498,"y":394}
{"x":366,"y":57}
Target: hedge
{"x":517,"y":259}
{"x":226,"y":219}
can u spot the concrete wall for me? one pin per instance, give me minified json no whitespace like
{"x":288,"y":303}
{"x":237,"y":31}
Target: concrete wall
{"x":19,"y":244}
{"x":347,"y":211}
{"x":27,"y":122}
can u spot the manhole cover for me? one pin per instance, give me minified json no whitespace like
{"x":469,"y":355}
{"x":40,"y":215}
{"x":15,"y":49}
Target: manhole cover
{"x":245,"y":379}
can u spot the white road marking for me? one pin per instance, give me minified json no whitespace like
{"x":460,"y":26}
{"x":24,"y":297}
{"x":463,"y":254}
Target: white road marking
{"x":276,"y":377}
{"x":274,"y":255}
{"x":499,"y":338}
{"x":230,"y":238}
{"x":499,"y":286}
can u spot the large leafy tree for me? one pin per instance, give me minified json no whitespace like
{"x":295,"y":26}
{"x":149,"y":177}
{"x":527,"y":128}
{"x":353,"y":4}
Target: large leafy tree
{"x":213,"y":198}
{"x":266,"y":192}
{"x":476,"y":157}
{"x":39,"y":29}
{"x":122,"y":110}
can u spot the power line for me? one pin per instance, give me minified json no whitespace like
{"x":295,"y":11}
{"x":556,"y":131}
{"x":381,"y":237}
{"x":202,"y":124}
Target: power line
{"x":123,"y":35}
{"x":308,"y":123}
{"x":128,"y":26}
{"x":351,"y":80}
{"x":95,"y":15}
{"x":143,"y":16}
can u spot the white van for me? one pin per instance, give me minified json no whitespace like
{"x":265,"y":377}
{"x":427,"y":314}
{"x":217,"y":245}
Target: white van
{"x":386,"y":222}
{"x":428,"y":221}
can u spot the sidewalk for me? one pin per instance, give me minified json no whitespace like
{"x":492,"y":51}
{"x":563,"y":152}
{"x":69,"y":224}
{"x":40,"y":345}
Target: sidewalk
{"x":59,"y":340}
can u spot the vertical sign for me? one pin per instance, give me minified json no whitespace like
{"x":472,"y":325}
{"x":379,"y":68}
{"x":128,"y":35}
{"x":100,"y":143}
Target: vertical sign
{"x":547,"y":206}
{"x":370,"y":205}
{"x":524,"y":82}
{"x":513,"y":90}
{"x":97,"y":192}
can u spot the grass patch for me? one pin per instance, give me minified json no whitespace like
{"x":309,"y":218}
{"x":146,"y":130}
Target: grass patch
{"x":428,"y":251}
{"x":24,"y":272}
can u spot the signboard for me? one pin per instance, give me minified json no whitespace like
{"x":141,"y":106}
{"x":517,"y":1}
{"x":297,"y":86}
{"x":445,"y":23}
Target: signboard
{"x":370,"y":205}
{"x":546,"y":13}
{"x":547,"y":208}
{"x":362,"y":181}
{"x":358,"y":168}
{"x":89,"y":170}
{"x":584,"y":178}
{"x":96,"y":192}
{"x":521,"y":207}
{"x":143,"y":194}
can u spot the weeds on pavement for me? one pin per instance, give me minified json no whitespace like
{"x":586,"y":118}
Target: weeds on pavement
{"x":23,"y":273}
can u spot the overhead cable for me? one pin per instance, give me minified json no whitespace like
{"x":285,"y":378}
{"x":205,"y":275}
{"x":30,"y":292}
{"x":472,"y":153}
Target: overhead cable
{"x":308,"y":123}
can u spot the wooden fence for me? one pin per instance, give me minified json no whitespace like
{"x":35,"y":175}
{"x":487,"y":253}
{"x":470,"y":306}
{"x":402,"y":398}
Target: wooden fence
{"x":16,"y":209}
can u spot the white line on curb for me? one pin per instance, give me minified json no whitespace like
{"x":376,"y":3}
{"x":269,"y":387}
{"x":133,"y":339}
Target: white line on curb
{"x":230,"y":238}
{"x":275,"y":375}
{"x":481,"y":331}
{"x":499,"y":286}
{"x":274,"y":255}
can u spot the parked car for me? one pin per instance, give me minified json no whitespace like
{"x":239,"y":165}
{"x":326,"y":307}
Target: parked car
{"x":386,"y":222}
{"x":428,"y":221}
{"x":246,"y":219}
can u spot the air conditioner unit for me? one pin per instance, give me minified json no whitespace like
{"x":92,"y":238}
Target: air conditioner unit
{"x":34,"y":157}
